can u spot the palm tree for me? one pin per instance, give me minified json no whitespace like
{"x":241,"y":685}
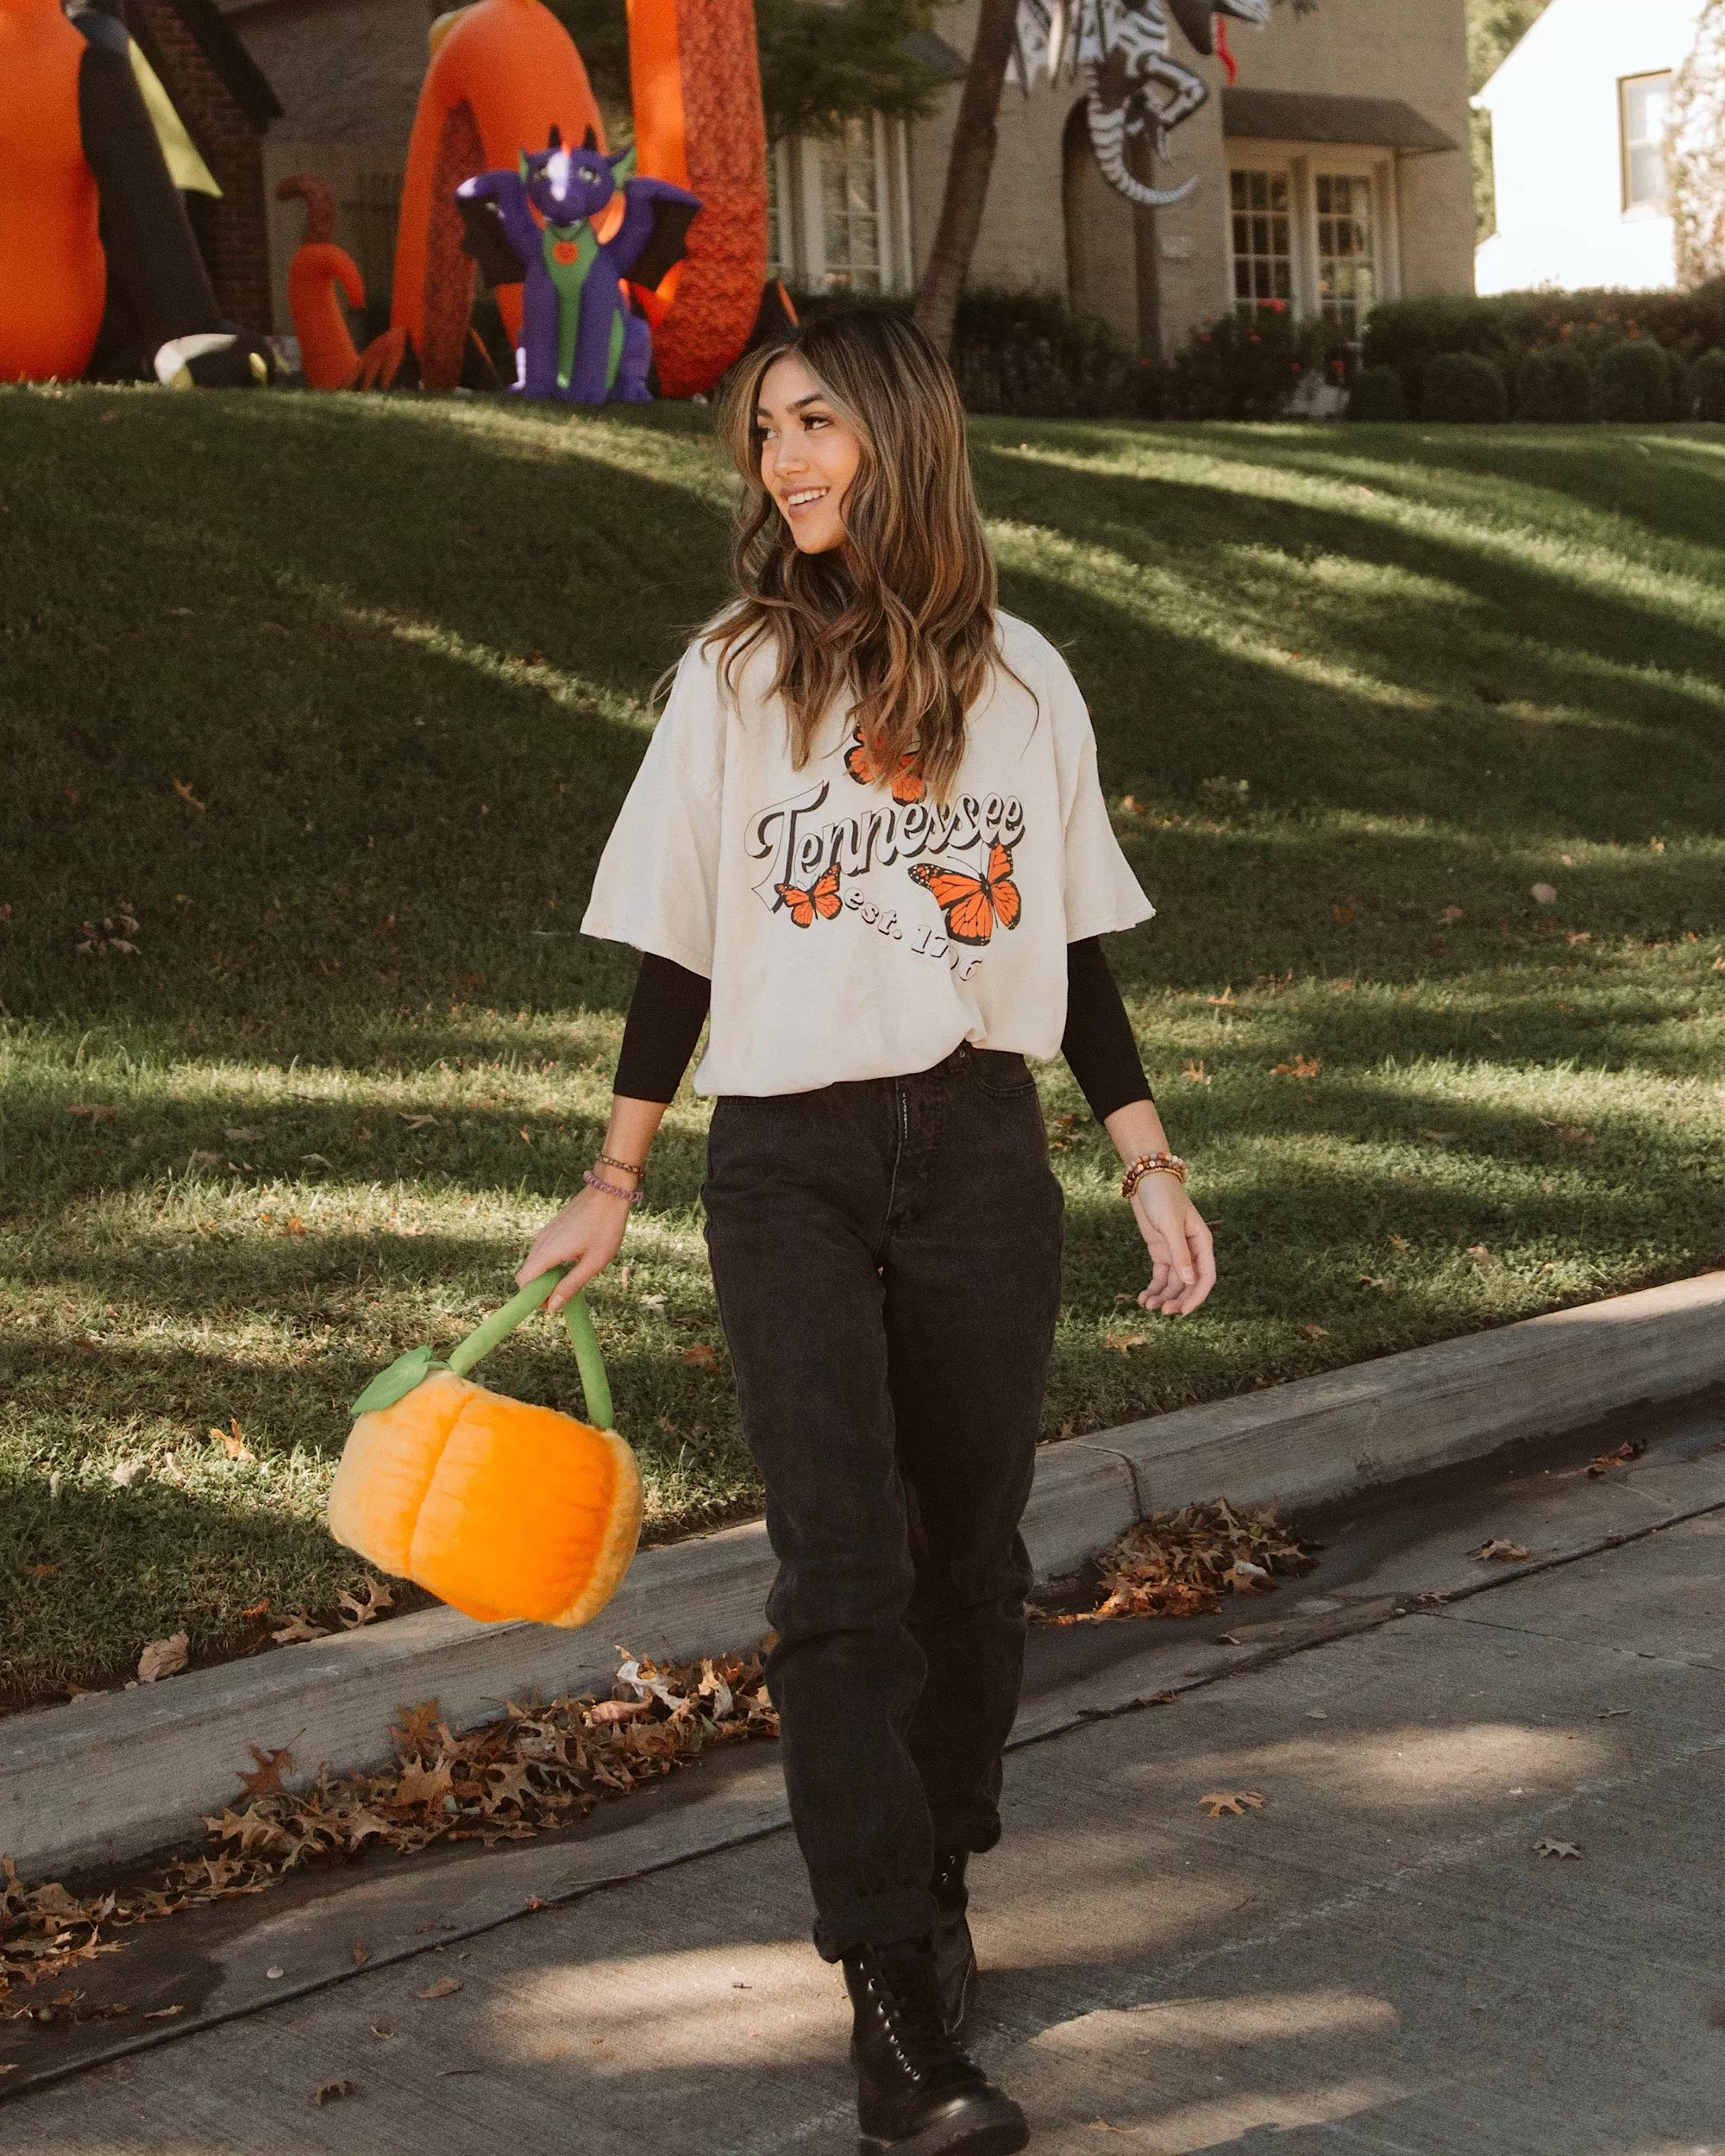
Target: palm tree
{"x":967,"y":169}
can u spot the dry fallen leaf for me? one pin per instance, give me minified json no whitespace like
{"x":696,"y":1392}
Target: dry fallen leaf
{"x":1544,"y":893}
{"x":1451,"y":914}
{"x":1550,"y":1848}
{"x":363,"y":1606}
{"x":162,"y":1658}
{"x":1301,"y":1067}
{"x":1631,"y":1449}
{"x":162,"y":2014}
{"x":1184,"y":1564}
{"x":610,"y":1711}
{"x":232,"y":1443}
{"x":420,"y":1784}
{"x":420,"y":1122}
{"x":533,"y":1768}
{"x":186,"y":792}
{"x":701,"y":1356}
{"x":1123,"y":1343}
{"x":327,"y":2091}
{"x":1192,"y":1069}
{"x":1134,"y":807}
{"x":299,"y":1628}
{"x":442,"y":1989}
{"x":264,"y":1780}
{"x":1316,"y":1332}
{"x":1497,"y":1551}
{"x":362,"y":1953}
{"x":1234,"y":1802}
{"x":1480,"y":1254}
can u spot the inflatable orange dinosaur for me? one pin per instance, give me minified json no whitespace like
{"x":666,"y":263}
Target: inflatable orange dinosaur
{"x":318,"y":270}
{"x":695,"y":75}
{"x":53,"y":277}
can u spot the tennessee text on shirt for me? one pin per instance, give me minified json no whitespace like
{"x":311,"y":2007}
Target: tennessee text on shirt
{"x":798,"y":848}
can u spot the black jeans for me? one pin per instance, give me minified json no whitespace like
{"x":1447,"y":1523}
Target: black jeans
{"x":886,"y":1256}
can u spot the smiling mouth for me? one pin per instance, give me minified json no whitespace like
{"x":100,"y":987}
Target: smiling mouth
{"x":805,"y":497}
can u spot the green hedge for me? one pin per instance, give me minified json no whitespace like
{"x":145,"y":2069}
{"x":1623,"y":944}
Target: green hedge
{"x":1409,"y":334}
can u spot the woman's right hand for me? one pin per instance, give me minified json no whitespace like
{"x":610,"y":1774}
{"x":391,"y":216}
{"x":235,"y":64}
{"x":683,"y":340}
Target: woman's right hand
{"x":584,"y":1236}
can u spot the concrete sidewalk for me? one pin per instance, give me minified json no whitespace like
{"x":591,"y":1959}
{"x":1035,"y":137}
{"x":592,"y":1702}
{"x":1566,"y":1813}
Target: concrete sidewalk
{"x":1377,"y":1960}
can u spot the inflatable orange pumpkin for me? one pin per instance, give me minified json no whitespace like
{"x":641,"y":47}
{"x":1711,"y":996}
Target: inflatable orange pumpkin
{"x":501,"y":1509}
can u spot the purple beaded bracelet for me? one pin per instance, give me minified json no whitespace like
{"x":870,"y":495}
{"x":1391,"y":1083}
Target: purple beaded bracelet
{"x":612,"y":1190}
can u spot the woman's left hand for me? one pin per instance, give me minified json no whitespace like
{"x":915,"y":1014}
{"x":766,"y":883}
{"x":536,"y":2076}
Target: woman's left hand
{"x":1182,"y":1256}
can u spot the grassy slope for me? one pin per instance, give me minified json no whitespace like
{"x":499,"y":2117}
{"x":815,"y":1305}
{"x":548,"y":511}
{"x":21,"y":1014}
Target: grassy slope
{"x":398,"y":652}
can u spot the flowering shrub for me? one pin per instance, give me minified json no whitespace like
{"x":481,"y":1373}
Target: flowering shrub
{"x":1244,"y":367}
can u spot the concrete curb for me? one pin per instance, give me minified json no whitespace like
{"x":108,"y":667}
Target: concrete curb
{"x":121,"y":1773}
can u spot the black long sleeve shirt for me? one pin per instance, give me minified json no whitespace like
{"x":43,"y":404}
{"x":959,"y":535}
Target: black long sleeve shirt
{"x":669,"y":1008}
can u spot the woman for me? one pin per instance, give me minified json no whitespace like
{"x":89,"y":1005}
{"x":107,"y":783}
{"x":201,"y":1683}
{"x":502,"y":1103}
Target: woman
{"x":868,"y":836}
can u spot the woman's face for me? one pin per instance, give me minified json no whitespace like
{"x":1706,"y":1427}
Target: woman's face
{"x":809,"y":455}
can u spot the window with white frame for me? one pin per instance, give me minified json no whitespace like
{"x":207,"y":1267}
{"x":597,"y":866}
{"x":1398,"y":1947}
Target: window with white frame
{"x":1347,"y":251}
{"x":838,"y":209}
{"x":1263,"y":238}
{"x":1315,"y":243}
{"x":1644,"y":105}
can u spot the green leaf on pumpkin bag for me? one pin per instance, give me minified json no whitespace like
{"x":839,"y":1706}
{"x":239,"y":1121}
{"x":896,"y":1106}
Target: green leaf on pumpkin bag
{"x":398,"y":1380}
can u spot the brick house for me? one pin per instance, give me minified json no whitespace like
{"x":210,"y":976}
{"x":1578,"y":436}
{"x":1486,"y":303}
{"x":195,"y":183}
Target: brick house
{"x":1334,"y":171}
{"x":226,"y":104}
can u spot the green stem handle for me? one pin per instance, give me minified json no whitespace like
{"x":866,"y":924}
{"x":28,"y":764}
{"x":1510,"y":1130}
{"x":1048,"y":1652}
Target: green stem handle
{"x":594,"y":1384}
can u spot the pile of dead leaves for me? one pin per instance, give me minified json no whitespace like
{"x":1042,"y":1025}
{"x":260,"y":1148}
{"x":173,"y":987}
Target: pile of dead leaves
{"x":536,"y":1767}
{"x":1182,"y":1563}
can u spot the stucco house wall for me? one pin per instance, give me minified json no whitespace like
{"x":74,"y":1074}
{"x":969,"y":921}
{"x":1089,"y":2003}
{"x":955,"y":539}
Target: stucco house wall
{"x":1557,"y":147}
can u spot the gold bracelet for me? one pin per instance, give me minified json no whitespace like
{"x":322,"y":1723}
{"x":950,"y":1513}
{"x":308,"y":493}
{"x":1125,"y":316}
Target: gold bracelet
{"x":1152,"y":1164}
{"x":628,"y":1167}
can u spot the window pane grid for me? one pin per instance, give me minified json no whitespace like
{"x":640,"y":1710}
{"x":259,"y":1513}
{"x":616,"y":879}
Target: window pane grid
{"x":1262,"y":239}
{"x":851,"y":208}
{"x":1347,"y":265}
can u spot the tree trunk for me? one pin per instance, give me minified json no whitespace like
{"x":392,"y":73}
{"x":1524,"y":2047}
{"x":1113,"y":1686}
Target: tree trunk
{"x":968,"y":168}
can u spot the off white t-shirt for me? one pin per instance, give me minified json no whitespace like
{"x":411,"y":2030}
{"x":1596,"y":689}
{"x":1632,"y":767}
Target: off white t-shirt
{"x":853,"y":928}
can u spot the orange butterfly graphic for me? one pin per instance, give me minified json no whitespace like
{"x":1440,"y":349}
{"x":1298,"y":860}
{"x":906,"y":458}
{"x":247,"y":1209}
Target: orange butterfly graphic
{"x":820,"y":899}
{"x":907,"y":779}
{"x":972,"y":905}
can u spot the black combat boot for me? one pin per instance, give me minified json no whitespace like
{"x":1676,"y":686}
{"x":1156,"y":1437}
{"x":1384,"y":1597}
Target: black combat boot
{"x":955,"y":1957}
{"x":917,"y":2092}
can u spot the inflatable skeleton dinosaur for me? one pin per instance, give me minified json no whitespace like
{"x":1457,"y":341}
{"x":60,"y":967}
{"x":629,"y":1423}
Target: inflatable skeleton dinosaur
{"x":1134,"y":87}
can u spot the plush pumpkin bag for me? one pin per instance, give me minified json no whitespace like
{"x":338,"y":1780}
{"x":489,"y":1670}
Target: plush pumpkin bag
{"x":501,"y":1509}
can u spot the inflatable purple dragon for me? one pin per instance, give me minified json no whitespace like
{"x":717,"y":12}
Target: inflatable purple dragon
{"x":581,"y":340}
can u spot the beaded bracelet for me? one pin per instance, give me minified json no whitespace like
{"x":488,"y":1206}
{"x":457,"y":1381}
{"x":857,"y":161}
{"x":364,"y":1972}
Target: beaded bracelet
{"x":1152,"y":1164}
{"x":637,"y":1169}
{"x":612,"y":1190}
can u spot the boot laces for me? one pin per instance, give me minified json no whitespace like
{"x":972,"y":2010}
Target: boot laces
{"x":906,"y":1993}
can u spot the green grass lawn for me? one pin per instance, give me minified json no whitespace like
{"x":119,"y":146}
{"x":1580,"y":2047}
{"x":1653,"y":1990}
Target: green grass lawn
{"x":336,"y":699}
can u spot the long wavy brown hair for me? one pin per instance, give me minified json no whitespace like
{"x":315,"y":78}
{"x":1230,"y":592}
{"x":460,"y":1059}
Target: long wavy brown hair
{"x":900,"y":620}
